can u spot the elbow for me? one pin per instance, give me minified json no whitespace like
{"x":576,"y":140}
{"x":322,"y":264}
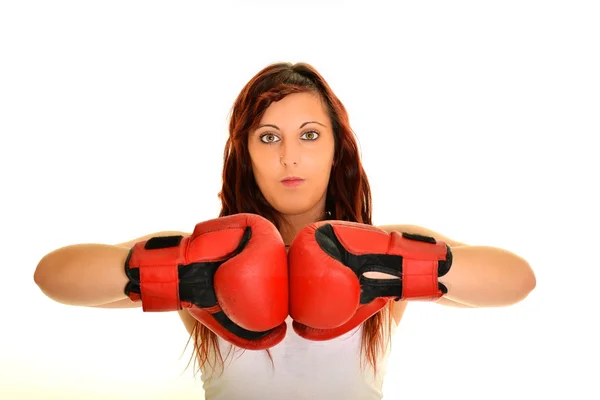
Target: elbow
{"x":518,"y":279}
{"x":524,"y":282}
{"x":38,"y":277}
{"x":513,"y":288}
{"x":530,"y":282}
{"x":47,"y":277}
{"x":41,"y":275}
{"x":46,"y":274}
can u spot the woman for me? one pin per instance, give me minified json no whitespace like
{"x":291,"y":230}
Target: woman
{"x":291,"y":158}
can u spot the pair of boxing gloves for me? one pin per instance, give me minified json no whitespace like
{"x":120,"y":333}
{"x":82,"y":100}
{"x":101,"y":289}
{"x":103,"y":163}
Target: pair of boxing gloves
{"x":233,"y":274}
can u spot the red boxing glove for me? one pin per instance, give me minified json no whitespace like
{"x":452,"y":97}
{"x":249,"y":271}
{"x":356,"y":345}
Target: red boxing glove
{"x":230,"y":274}
{"x":329,"y":295}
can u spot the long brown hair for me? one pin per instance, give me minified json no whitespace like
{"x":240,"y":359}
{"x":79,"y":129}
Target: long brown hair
{"x":348,"y":194}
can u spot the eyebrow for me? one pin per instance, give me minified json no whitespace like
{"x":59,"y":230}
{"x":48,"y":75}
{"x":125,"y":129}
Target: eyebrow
{"x":301,"y":126}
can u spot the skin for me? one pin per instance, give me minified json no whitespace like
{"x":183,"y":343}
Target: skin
{"x":283,"y":145}
{"x":294,"y":138}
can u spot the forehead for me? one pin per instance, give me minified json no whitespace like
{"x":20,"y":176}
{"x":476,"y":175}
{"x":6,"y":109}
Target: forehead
{"x":295,"y":107}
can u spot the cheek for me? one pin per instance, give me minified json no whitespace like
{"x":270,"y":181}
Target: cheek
{"x":320,"y":170}
{"x":264,"y":171}
{"x":320,"y":161}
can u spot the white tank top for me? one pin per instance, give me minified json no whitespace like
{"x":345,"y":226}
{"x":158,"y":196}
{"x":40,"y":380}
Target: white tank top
{"x":301,"y":369}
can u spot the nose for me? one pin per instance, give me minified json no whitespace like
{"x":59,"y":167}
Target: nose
{"x":290,"y":154}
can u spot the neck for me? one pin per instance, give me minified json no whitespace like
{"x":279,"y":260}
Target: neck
{"x":294,"y":223}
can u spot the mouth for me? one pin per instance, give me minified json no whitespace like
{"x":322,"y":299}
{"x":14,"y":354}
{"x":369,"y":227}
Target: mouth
{"x":292,"y":181}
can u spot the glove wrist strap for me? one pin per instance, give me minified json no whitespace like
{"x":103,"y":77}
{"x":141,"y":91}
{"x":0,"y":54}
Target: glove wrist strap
{"x":152,"y":269}
{"x":424,"y":260}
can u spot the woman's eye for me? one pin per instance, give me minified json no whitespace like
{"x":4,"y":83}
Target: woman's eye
{"x":268,"y":138}
{"x":312,"y":135}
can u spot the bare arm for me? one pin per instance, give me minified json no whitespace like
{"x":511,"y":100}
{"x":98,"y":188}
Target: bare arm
{"x":91,"y":275}
{"x":481,"y":276}
{"x":421,"y":230}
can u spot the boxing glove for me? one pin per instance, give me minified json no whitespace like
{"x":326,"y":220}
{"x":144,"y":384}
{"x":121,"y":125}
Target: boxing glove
{"x":230,"y":274}
{"x":329,"y":294}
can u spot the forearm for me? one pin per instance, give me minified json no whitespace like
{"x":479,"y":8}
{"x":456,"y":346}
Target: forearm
{"x":83,"y":274}
{"x":483,"y":276}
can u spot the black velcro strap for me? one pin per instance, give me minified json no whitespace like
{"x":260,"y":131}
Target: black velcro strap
{"x":419,"y":238}
{"x":196,"y":283}
{"x":157,"y":242}
{"x":133,"y":285}
{"x":443,"y":265}
{"x":374,"y":288}
{"x":162,"y":242}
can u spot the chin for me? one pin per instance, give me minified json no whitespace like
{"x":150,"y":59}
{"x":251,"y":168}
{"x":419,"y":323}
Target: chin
{"x":294,"y":208}
{"x":296,"y":204}
{"x":291,"y":210}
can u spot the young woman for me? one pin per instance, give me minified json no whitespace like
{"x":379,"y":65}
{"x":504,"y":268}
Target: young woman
{"x":291,"y":159}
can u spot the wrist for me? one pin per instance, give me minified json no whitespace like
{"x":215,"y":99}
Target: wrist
{"x":152,"y":269}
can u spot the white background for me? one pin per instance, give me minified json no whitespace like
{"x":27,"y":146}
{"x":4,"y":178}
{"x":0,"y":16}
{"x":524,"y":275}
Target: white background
{"x":475,"y":119}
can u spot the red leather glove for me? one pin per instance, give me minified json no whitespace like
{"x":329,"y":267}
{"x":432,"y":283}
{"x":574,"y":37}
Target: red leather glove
{"x":329,"y":295}
{"x":230,"y":274}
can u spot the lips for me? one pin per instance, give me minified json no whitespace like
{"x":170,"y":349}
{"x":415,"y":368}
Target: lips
{"x":292,"y":181}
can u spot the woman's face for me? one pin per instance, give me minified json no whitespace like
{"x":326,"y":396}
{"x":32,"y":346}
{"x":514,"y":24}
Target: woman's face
{"x":292,"y":154}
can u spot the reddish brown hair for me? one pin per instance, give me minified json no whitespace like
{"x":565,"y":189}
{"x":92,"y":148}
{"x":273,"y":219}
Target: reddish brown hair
{"x":348,"y":194}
